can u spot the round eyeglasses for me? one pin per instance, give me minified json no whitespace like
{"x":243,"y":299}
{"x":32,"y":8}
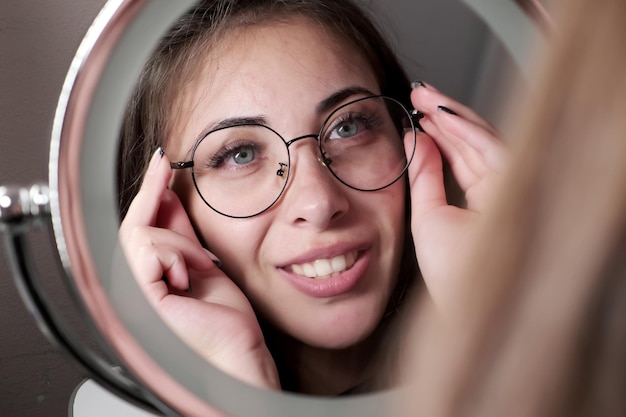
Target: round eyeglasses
{"x":241,"y":170}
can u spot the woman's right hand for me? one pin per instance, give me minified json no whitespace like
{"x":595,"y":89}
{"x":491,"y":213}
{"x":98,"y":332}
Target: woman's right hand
{"x":444,"y":234}
{"x":181,"y":281}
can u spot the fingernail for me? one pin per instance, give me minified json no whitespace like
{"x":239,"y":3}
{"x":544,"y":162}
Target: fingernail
{"x":447,"y":110}
{"x":417,"y":84}
{"x":213,"y":258}
{"x":156,"y":157}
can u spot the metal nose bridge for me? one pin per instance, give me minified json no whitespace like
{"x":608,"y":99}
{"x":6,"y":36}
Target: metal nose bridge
{"x":322,"y":158}
{"x":311,"y":135}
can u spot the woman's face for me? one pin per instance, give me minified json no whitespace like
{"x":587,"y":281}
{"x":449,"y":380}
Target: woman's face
{"x":283,"y":73}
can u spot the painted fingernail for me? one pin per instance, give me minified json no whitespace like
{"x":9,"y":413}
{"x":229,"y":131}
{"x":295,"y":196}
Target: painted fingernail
{"x":213,"y":258}
{"x":156,"y":157}
{"x":447,"y":110}
{"x":417,"y":84}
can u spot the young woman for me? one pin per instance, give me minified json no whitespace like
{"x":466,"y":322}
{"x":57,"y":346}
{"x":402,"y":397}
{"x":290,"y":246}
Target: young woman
{"x":280,"y":195}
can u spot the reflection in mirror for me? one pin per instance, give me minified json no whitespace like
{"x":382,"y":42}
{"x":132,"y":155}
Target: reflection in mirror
{"x":284,"y":258}
{"x":280,"y":177}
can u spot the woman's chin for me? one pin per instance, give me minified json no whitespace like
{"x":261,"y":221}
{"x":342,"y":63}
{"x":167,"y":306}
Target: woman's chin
{"x":338,"y":335}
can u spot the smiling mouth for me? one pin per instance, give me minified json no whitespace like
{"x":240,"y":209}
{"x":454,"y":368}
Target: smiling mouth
{"x":325,"y":268}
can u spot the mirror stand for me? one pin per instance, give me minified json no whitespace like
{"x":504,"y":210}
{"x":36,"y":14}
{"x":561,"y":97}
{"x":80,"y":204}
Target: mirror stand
{"x":22,"y":210}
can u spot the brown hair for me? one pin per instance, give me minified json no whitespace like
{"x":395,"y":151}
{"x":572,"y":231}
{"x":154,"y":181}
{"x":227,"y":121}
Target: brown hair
{"x":540,"y":326}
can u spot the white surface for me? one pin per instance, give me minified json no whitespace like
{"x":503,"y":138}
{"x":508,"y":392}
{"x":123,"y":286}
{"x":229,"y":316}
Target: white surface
{"x":91,"y":400}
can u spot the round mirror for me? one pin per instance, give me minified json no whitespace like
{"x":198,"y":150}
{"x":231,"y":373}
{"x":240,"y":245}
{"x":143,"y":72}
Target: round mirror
{"x":472,"y":50}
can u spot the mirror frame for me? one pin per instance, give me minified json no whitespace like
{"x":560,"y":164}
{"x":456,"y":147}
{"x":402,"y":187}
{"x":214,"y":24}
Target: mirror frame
{"x":84,"y":213}
{"x":85,"y":222}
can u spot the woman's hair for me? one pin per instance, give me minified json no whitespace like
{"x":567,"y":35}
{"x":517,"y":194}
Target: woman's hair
{"x":540,"y":321}
{"x":175,"y":61}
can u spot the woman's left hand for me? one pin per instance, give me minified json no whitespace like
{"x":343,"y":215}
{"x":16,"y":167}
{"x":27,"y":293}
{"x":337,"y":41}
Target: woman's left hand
{"x":442,"y":232}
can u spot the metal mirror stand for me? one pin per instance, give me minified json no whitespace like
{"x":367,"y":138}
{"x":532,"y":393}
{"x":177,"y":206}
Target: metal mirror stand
{"x":24,"y":208}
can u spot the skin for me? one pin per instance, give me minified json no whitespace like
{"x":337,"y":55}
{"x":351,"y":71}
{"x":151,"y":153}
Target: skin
{"x":316,"y":217}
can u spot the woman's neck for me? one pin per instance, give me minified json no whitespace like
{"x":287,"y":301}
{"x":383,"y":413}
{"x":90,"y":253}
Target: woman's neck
{"x":328,"y":372}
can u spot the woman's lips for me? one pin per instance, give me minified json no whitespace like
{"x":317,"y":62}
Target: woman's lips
{"x":328,"y":276}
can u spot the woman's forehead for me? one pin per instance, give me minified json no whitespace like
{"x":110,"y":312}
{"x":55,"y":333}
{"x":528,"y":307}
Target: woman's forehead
{"x":267,"y":66}
{"x":280,"y":41}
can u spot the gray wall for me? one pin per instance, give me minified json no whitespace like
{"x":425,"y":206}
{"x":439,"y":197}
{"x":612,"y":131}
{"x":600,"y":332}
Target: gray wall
{"x":37,"y":42}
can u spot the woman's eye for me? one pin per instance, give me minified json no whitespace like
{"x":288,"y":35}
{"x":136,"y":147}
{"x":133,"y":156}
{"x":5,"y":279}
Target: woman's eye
{"x":353,"y":124}
{"x":234,"y":156}
{"x":243,"y":155}
{"x":347,"y":129}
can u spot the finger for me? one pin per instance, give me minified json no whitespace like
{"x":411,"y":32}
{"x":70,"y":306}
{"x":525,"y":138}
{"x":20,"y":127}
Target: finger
{"x":465,"y":162}
{"x":428,"y":100}
{"x":173,"y":216}
{"x":425,"y":176}
{"x":162,"y":268}
{"x":195,"y":256}
{"x":144,"y":207}
{"x":472,"y":151}
{"x":174,"y":267}
{"x":149,"y":265}
{"x":473,"y":137}
{"x":179,"y":272}
{"x":216,"y":288}
{"x":475,"y":157}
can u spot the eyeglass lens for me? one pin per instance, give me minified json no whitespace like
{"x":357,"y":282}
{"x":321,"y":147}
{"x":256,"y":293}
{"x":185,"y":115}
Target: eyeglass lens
{"x":240,"y":171}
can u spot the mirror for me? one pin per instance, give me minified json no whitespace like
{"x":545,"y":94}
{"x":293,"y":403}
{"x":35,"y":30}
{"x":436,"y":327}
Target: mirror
{"x":83,"y":202}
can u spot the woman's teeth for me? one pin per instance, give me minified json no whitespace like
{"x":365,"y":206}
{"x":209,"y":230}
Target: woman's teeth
{"x":325,"y":268}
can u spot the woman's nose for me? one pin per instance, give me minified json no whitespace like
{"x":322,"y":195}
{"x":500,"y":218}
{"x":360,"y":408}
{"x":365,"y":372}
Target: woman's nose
{"x":313,"y":197}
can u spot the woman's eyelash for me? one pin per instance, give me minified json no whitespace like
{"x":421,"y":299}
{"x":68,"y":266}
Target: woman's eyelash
{"x":217,"y":160}
{"x":368,"y":119}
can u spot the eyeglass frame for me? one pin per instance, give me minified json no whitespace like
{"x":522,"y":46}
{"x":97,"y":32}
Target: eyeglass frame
{"x":414,"y":117}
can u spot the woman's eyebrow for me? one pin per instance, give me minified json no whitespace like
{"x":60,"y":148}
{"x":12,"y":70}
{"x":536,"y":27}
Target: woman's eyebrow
{"x":336,"y":98}
{"x":233,"y":121}
{"x":224,"y":123}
